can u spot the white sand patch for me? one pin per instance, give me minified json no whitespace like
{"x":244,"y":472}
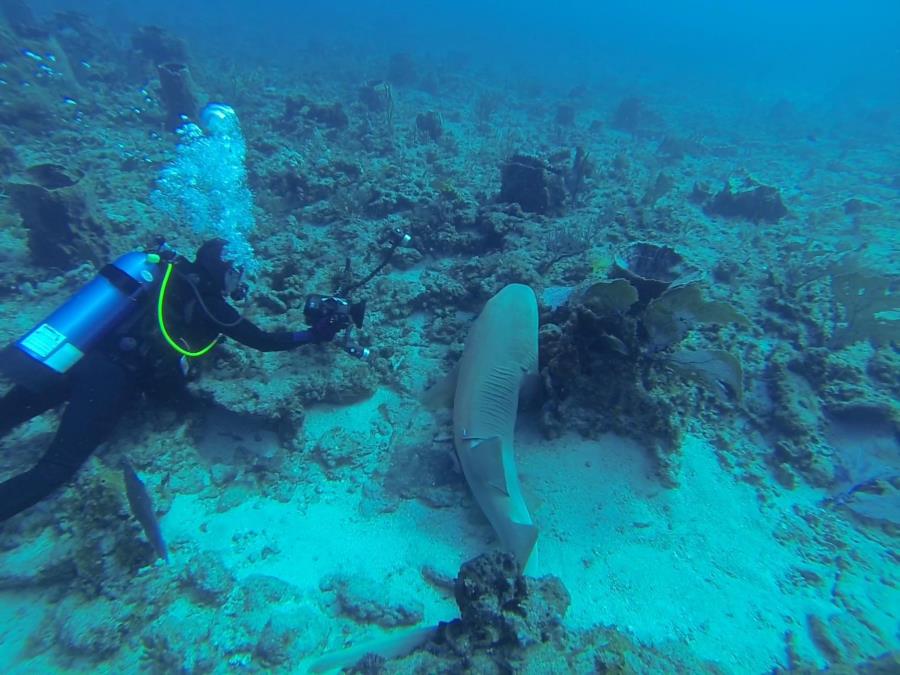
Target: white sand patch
{"x":697,"y":564}
{"x":354,"y":419}
{"x":322,"y":531}
{"x":328,"y":537}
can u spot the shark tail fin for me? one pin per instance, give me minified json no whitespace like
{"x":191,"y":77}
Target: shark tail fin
{"x":487,"y":463}
{"x":523,"y":540}
{"x":389,"y":647}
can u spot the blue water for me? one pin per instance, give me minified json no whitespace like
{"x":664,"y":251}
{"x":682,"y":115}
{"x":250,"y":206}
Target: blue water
{"x":704,"y":197}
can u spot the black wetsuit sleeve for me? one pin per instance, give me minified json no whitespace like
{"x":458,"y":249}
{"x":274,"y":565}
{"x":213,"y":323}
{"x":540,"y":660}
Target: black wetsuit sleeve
{"x":251,"y":335}
{"x":248,"y":333}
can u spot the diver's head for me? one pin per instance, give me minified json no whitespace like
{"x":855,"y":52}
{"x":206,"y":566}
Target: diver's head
{"x":217,"y":273}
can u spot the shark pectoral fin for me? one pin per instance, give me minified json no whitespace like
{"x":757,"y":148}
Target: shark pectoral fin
{"x":486,"y":462}
{"x":440,"y":394}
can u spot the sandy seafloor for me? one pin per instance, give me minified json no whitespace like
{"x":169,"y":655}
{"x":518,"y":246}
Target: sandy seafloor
{"x":731,"y":565}
{"x":704,"y":566}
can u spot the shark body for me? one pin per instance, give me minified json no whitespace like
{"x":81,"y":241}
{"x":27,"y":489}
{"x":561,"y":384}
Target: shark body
{"x":500,"y":353}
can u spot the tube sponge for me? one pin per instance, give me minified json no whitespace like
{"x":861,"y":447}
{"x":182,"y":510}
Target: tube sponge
{"x":205,"y":186}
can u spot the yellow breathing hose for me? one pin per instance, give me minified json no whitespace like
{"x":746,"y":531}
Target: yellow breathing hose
{"x":162,"y":324}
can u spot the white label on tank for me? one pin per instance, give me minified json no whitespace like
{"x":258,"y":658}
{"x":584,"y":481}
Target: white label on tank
{"x":64,"y":358}
{"x":43,"y":340}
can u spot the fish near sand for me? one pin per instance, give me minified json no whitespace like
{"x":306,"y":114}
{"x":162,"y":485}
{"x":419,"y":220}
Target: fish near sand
{"x":142,"y":509}
{"x":500,"y":356}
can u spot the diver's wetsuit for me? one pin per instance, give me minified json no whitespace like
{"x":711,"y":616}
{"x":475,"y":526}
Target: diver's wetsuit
{"x":103,"y":384}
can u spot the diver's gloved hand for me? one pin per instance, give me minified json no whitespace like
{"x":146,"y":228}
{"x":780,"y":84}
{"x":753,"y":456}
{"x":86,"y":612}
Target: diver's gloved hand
{"x":323,"y":330}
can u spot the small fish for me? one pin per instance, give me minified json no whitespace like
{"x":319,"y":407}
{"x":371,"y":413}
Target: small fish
{"x":142,"y":509}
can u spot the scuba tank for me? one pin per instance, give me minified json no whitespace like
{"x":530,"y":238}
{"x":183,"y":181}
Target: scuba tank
{"x":50,"y":349}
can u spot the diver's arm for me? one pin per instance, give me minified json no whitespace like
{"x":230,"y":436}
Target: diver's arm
{"x":248,"y":333}
{"x":253,"y":336}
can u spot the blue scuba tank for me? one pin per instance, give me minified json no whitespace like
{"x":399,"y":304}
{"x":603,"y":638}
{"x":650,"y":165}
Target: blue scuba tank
{"x":50,"y":349}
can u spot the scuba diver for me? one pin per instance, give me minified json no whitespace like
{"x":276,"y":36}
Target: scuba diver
{"x":129,"y":332}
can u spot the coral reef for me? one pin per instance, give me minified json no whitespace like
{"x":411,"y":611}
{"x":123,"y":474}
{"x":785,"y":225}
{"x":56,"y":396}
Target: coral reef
{"x":600,"y":204}
{"x":511,"y":623}
{"x":608,"y":354}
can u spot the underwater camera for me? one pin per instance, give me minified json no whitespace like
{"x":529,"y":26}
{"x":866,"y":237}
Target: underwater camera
{"x":342,"y":312}
{"x":337,"y":310}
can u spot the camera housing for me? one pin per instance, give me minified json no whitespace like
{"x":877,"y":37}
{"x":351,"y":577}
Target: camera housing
{"x":335,"y":309}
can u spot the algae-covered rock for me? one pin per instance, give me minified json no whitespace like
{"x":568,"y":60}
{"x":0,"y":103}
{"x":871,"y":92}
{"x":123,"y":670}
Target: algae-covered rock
{"x":94,"y":628}
{"x":106,"y":544}
{"x":337,"y":449}
{"x":178,"y":641}
{"x":508,"y":622}
{"x":500,"y":608}
{"x":366,"y":601}
{"x":746,"y":198}
{"x":796,"y":419}
{"x":289,"y":635}
{"x":883,"y":368}
{"x":274,"y":388}
{"x":209,"y":580}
